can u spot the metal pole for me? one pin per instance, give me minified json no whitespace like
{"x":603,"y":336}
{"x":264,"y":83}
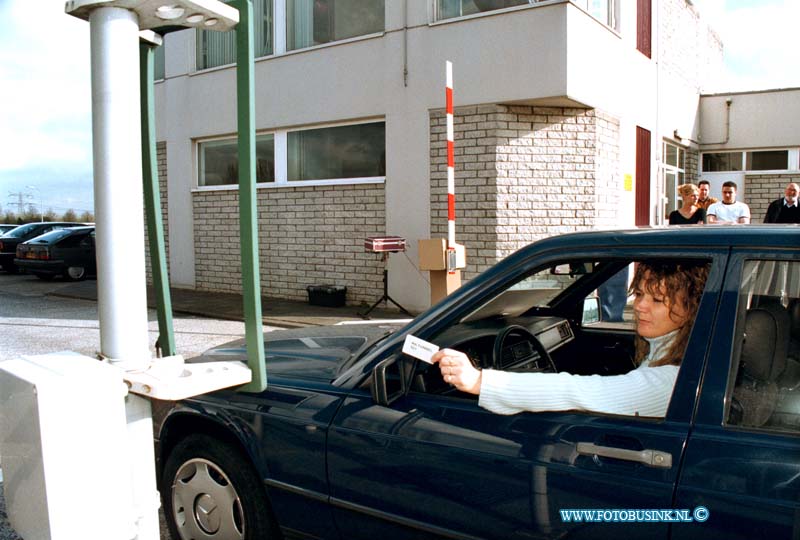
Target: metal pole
{"x":121,"y":288}
{"x":116,"y":141}
{"x":155,"y":226}
{"x":251,"y":283}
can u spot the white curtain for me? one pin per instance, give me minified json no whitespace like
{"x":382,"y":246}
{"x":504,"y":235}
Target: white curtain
{"x":300,"y":27}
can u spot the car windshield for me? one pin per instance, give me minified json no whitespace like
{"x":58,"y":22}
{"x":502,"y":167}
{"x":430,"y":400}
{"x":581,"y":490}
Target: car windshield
{"x":536,"y":290}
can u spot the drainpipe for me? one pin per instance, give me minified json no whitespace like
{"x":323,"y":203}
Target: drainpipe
{"x":728,"y":103}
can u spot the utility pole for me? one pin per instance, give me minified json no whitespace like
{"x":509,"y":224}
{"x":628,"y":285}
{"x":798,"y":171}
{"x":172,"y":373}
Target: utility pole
{"x":20,"y":204}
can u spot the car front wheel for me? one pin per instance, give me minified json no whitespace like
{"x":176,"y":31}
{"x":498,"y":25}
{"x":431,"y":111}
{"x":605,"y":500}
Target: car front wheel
{"x":210,"y":491}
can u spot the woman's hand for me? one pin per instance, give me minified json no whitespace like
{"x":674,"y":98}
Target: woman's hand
{"x":458,"y":370}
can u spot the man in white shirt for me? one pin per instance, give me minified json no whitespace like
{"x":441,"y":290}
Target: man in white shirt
{"x":728,"y":210}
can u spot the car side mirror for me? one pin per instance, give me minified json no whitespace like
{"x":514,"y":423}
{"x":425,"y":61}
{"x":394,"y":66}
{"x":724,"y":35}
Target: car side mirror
{"x":388,"y":383}
{"x":591,"y":311}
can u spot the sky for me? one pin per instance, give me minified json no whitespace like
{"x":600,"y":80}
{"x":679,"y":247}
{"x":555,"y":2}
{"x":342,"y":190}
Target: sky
{"x":45,"y":117}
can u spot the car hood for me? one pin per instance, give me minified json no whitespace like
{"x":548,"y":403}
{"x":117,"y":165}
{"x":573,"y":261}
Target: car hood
{"x":316,"y":353}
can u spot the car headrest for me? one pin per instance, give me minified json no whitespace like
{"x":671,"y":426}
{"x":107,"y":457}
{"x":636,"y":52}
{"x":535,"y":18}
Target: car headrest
{"x":766,"y":342}
{"x":794,"y":318}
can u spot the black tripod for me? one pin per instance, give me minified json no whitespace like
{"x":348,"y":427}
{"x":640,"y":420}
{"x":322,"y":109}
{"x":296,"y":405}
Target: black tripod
{"x":385,"y":298}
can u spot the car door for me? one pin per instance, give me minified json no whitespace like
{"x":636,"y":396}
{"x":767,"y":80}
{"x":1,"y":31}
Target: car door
{"x":436,"y":466}
{"x":744,"y":469}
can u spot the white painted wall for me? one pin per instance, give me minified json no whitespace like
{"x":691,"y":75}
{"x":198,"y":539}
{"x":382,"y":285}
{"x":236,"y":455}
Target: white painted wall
{"x":757,"y":119}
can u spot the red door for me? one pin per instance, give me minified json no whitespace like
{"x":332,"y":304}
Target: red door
{"x":642,"y":176}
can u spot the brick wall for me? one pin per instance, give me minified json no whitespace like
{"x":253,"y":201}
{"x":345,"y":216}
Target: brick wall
{"x":692,"y":165}
{"x":762,"y":189}
{"x":307,"y":236}
{"x":161,"y":158}
{"x":523,"y":173}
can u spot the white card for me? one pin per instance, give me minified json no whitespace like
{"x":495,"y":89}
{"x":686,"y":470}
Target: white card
{"x":419,"y":348}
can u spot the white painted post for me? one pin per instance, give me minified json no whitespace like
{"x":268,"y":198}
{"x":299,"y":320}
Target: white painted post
{"x":119,"y":203}
{"x":119,"y":215}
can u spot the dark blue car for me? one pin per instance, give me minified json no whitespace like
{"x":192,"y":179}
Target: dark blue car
{"x":353,"y":439}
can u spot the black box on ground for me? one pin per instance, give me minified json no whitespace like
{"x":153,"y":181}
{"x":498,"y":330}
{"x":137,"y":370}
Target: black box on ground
{"x":326,"y":295}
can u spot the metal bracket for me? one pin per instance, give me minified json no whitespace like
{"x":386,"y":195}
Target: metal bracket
{"x":172,"y":379}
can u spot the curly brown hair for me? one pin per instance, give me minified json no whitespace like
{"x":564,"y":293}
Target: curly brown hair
{"x":680,"y":283}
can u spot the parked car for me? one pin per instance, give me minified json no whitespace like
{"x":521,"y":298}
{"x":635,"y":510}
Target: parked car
{"x":355,"y":439}
{"x":10,"y":240}
{"x":4,"y":228}
{"x":64,"y":252}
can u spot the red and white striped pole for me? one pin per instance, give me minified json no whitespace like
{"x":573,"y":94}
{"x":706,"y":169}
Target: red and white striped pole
{"x":451,"y":161}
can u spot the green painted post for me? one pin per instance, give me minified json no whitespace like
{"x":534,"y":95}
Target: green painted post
{"x":251,"y":283}
{"x":152,"y":203}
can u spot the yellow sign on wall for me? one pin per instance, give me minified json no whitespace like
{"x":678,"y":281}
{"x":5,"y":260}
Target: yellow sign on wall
{"x":628,"y":182}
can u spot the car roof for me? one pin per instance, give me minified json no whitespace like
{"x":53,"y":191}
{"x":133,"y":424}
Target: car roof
{"x":690,"y":236}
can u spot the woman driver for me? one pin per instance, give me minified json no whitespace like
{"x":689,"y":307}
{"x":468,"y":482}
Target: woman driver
{"x":666,"y":297}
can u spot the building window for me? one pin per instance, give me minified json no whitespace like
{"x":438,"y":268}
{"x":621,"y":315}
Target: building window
{"x":355,"y":151}
{"x":219,"y":161}
{"x":314,"y":22}
{"x":673,"y":170}
{"x":757,"y":160}
{"x":602,"y":10}
{"x":219,"y":48}
{"x":449,"y":9}
{"x":768,"y":160}
{"x":722,"y":161}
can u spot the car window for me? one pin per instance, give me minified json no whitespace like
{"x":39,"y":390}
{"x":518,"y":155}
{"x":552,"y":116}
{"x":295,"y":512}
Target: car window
{"x":21,"y":231}
{"x":764,"y":383}
{"x":551,"y":306}
{"x":51,"y":237}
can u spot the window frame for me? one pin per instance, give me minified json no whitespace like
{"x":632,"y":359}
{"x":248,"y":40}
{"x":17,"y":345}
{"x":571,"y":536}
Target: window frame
{"x":284,"y":46}
{"x":611,"y":22}
{"x":280,"y":138}
{"x":679,"y":170}
{"x":232,"y":138}
{"x":682,"y":400}
{"x":279,"y":38}
{"x":792,"y":160}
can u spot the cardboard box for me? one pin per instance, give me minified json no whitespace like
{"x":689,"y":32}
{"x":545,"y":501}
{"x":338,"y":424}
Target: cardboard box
{"x":433,"y":255}
{"x":443,"y":283}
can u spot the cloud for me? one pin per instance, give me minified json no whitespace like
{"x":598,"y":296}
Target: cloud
{"x":44,"y":66}
{"x":760,"y":41}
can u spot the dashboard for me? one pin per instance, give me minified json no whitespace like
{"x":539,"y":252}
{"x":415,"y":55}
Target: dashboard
{"x":518,"y":352}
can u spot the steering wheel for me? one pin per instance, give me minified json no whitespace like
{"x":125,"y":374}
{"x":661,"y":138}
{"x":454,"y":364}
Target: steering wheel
{"x":499,"y":342}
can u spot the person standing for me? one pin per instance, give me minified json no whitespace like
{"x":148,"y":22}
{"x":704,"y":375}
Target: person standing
{"x":728,"y":210}
{"x":689,"y":213}
{"x":785,"y":209}
{"x":703,"y":200}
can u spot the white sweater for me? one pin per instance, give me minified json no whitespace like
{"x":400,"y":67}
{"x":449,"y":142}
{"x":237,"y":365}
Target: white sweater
{"x":644,"y":391}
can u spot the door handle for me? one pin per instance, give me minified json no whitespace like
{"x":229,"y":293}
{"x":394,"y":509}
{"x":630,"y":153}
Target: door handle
{"x":651,"y":458}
